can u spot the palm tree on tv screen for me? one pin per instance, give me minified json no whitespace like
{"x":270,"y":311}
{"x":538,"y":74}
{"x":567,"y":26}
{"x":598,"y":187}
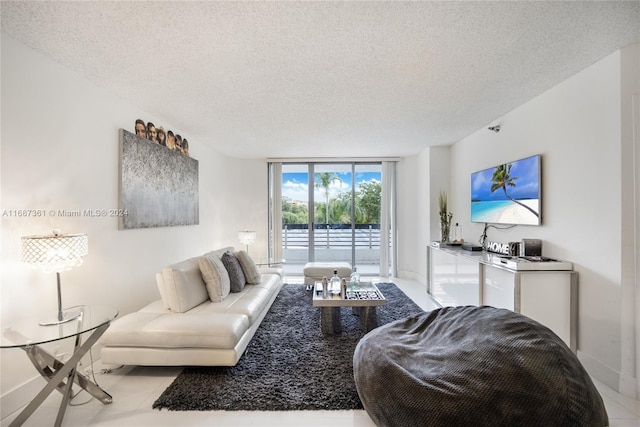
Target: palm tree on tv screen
{"x":502,"y":179}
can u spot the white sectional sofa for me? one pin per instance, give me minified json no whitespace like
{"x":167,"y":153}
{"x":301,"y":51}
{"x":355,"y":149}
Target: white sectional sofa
{"x":186,"y":327}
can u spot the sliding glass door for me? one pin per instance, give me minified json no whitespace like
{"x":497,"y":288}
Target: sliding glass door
{"x":329,"y":212}
{"x":332,"y":219}
{"x":368,"y":207}
{"x":294,"y":203}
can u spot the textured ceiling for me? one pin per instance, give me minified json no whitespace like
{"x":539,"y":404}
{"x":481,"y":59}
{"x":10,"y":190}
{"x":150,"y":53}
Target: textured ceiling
{"x":324,"y":79}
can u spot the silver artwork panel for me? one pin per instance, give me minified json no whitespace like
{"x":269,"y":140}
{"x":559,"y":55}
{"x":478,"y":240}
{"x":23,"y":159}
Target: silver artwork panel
{"x":158,"y":186}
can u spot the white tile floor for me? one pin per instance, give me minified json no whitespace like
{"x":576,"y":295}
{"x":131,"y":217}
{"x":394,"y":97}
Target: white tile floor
{"x":134,"y":389}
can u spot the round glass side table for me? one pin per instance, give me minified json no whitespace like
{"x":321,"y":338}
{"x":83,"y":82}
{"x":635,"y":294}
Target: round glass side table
{"x":30,"y":336}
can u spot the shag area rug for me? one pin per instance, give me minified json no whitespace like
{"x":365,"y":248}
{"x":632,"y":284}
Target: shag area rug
{"x":289,"y":364}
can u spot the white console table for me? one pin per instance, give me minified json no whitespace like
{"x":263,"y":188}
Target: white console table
{"x":459,"y":277}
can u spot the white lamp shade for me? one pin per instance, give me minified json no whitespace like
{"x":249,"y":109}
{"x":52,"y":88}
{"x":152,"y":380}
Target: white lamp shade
{"x":56,"y":252}
{"x":247,"y":237}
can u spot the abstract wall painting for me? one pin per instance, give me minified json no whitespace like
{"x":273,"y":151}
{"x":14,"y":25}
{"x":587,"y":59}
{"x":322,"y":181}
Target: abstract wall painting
{"x":158,"y":186}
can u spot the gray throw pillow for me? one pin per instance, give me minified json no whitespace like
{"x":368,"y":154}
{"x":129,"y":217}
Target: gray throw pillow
{"x":236,"y":276}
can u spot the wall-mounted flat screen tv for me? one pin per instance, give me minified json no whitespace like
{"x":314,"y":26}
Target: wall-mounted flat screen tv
{"x":508,"y":193}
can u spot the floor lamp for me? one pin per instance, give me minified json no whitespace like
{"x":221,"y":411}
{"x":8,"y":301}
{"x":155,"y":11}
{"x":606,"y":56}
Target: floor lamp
{"x":56,"y":253}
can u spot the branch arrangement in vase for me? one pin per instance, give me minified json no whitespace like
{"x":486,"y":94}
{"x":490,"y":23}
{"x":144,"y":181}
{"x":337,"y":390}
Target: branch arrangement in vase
{"x":445,"y":218}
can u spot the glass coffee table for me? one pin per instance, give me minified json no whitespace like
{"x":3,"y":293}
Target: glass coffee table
{"x":30,"y":337}
{"x":363,"y":300}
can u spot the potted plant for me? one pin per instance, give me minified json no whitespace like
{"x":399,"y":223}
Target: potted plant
{"x":445,"y":218}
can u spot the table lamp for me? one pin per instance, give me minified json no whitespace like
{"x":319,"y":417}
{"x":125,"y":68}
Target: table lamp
{"x":247,"y":237}
{"x":56,"y":253}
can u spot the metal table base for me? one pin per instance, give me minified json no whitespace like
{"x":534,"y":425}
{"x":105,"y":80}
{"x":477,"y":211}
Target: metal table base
{"x":54,"y":370}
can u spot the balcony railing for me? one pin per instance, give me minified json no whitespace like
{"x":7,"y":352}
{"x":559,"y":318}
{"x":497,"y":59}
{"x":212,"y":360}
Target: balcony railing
{"x":328,"y":236}
{"x":332,"y":243}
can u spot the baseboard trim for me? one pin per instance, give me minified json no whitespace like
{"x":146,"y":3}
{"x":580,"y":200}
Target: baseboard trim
{"x":628,"y":386}
{"x":599,"y":371}
{"x":20,"y":396}
{"x":411,"y":275}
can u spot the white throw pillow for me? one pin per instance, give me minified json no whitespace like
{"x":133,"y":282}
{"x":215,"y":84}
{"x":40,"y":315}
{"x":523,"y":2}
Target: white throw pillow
{"x":249,"y":268}
{"x":183,"y":285}
{"x":215,"y":277}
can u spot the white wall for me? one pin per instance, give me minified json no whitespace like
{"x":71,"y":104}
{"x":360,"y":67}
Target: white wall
{"x":439,"y":180}
{"x":419,"y":181}
{"x":60,"y":151}
{"x":577,"y":128}
{"x":411,"y":186}
{"x":239,"y":201}
{"x":630,"y":245}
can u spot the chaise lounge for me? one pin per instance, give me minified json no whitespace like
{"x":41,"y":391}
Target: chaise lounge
{"x":200,"y":320}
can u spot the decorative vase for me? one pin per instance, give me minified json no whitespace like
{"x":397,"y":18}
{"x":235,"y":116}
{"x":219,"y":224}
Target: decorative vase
{"x":445,"y":229}
{"x":445,"y":218}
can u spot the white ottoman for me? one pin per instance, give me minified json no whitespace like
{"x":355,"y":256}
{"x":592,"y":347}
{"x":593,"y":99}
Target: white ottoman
{"x":315,"y":271}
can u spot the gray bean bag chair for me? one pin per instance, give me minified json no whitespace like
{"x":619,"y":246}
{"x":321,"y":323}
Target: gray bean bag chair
{"x":473,"y":366}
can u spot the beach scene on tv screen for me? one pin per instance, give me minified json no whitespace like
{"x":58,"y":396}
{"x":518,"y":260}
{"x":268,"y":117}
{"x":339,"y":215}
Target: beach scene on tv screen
{"x":508,"y":193}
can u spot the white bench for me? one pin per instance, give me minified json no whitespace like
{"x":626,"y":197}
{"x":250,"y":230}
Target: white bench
{"x":315,"y":271}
